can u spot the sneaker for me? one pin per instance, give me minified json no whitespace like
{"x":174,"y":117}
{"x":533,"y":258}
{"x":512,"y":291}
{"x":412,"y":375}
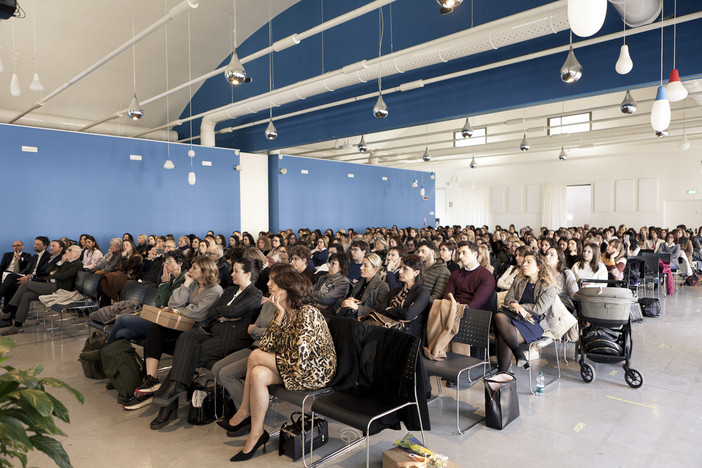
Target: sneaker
{"x":150,"y":385}
{"x":137,"y":401}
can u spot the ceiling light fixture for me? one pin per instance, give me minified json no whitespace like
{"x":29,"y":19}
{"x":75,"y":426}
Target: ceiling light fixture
{"x":447,"y":6}
{"x":380,"y":110}
{"x":524,"y":145}
{"x":15,"y":89}
{"x":571,"y":71}
{"x":134,"y":111}
{"x":271,"y":132}
{"x":624,"y":63}
{"x":36,"y":85}
{"x":660,"y":113}
{"x":675,"y":89}
{"x":563,"y":155}
{"x":586,"y":17}
{"x":467,"y":130}
{"x":169,"y":163}
{"x":415,"y":183}
{"x":362,"y":147}
{"x":191,"y":151}
{"x":234,"y":73}
{"x":473,"y":164}
{"x":628,"y":105}
{"x":426,"y":157}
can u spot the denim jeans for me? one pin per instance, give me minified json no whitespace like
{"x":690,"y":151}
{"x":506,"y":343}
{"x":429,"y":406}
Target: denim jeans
{"x":130,"y":327}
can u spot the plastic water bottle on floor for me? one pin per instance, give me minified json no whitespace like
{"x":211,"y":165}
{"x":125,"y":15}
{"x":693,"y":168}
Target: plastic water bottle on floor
{"x":540,"y":385}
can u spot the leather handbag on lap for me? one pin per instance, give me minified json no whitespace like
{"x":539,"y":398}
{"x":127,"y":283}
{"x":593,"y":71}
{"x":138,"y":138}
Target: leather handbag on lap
{"x":290,"y":442}
{"x":501,"y":401}
{"x":377,"y":318}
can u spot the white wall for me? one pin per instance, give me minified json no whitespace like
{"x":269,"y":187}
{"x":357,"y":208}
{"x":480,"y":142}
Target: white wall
{"x":254,"y":192}
{"x":621,"y":182}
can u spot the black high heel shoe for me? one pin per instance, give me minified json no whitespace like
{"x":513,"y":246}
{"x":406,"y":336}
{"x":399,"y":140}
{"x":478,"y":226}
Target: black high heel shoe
{"x":172,"y":393}
{"x":165,"y":414}
{"x":243,"y":456}
{"x":232,"y":430}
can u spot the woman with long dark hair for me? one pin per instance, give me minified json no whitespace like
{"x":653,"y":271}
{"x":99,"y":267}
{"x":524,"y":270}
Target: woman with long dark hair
{"x":409,"y":302}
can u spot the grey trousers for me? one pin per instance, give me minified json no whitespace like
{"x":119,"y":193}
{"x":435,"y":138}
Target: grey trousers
{"x":26,"y":293}
{"x":230,"y":372}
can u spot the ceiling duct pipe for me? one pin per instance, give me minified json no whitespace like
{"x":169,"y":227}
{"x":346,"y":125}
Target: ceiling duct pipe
{"x":637,"y":12}
{"x":538,"y":22}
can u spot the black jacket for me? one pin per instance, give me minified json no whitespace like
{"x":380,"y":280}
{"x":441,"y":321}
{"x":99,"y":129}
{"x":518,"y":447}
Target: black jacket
{"x":24,"y":260}
{"x":64,"y":275}
{"x":414,"y":309}
{"x":244,"y":308}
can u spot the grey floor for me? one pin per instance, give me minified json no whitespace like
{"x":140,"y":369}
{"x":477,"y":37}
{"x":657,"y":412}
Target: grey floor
{"x":604,"y":423}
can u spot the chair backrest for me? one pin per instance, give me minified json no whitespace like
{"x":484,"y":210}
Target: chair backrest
{"x":90,"y":285}
{"x":650,"y":262}
{"x":134,"y":291}
{"x":492,"y":303}
{"x":80,"y":280}
{"x":149,"y":297}
{"x":475,"y":328}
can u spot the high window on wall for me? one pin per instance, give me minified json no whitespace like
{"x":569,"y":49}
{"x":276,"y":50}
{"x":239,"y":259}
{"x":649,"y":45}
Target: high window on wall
{"x":576,"y":123}
{"x":479,"y":138}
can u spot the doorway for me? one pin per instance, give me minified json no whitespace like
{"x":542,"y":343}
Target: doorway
{"x":579,"y":202}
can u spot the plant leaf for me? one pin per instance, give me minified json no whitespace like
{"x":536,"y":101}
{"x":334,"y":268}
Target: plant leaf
{"x":39,"y":400}
{"x":56,"y":383}
{"x":14,"y":430}
{"x":60,"y":411}
{"x":18,"y":414}
{"x":7,"y":388}
{"x":53,"y":449}
{"x":39,"y":423}
{"x":6,"y":345}
{"x":26,"y":377}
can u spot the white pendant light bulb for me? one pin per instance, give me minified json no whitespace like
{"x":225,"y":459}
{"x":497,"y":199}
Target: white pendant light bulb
{"x":191,"y":153}
{"x":380,"y":110}
{"x":135,"y":112}
{"x":235,"y":73}
{"x":415,"y":184}
{"x":571,"y":71}
{"x":624,"y":63}
{"x":168,"y":164}
{"x":271,"y":132}
{"x":15,"y":86}
{"x":586,"y":17}
{"x":684,"y":144}
{"x":36,"y":85}
{"x":660,"y":114}
{"x":422,"y":191}
{"x":675,"y":89}
{"x":191,"y":178}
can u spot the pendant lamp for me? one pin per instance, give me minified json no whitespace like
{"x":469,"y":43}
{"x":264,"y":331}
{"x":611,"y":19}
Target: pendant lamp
{"x":586,"y":17}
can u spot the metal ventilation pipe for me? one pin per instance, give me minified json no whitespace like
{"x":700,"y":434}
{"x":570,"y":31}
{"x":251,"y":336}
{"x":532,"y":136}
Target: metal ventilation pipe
{"x":638,"y":12}
{"x":538,"y":22}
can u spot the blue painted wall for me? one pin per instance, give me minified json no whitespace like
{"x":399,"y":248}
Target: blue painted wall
{"x":417,"y":21}
{"x":327,"y":198}
{"x":80,"y":183}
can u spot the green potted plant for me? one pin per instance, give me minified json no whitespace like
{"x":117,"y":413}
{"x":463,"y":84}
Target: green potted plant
{"x":27,"y":412}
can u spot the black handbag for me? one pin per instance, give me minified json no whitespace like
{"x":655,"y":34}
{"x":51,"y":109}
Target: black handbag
{"x":290,"y":441}
{"x":208,"y":403}
{"x":501,"y":401}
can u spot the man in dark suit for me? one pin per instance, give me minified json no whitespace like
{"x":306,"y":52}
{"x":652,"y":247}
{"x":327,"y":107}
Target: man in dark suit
{"x":15,"y":261}
{"x":62,"y":276}
{"x":36,"y":265}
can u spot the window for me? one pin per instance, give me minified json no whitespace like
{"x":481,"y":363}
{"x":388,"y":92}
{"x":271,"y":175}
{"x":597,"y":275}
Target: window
{"x":479,"y":138}
{"x":576,"y":123}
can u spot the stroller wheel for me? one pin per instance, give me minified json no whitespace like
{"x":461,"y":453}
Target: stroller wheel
{"x":587,"y":372}
{"x":633,"y":378}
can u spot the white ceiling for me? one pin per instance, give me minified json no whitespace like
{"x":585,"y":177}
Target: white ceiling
{"x":72,"y":35}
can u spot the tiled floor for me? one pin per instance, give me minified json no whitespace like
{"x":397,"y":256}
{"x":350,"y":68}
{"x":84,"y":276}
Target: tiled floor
{"x":605,"y":423}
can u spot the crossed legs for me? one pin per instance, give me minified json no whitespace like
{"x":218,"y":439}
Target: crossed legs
{"x":261,"y":371}
{"x":508,"y":341}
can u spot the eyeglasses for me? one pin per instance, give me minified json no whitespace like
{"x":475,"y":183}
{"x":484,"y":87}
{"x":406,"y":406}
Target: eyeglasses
{"x":16,"y":245}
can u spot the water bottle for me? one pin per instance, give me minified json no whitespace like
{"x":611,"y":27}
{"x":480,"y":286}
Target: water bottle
{"x":540,"y":385}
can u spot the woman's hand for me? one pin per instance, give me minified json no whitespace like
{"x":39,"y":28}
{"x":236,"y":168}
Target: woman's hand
{"x":351,"y":303}
{"x":521,"y":310}
{"x":280,"y":314}
{"x":188,"y":280}
{"x":165,"y":276}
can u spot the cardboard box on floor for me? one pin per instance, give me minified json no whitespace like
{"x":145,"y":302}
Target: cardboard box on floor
{"x":398,"y":458}
{"x":167,"y":319}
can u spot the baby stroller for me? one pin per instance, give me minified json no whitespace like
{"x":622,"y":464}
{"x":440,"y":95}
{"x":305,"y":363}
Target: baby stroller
{"x":605,"y":328}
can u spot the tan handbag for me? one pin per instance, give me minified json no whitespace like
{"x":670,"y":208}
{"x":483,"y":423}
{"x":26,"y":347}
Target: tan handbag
{"x":376,"y":318}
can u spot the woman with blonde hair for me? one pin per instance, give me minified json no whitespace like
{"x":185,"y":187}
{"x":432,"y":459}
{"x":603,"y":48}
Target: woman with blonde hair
{"x":531,"y":296}
{"x":484,"y":258}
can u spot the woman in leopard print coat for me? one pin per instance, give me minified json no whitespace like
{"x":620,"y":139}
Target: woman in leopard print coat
{"x":296,"y":350}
